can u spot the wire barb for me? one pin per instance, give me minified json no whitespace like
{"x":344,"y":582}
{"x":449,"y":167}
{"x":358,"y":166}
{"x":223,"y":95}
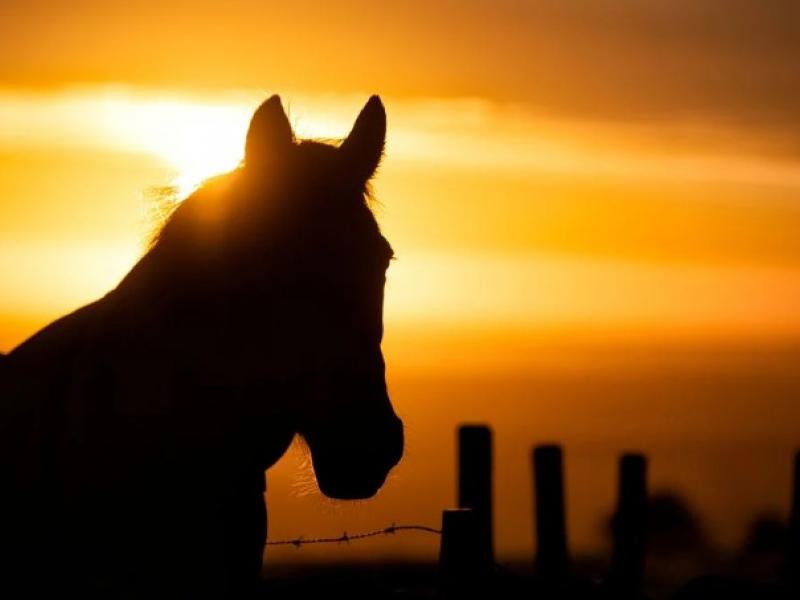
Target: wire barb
{"x":347,"y":538}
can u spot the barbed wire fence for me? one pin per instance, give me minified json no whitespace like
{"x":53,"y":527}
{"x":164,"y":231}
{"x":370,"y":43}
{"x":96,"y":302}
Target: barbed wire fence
{"x":392,"y":529}
{"x":346,"y":538}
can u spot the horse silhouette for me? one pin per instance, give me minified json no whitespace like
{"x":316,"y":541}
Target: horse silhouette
{"x":135,"y":432}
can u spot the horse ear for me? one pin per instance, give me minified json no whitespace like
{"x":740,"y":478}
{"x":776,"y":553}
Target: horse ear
{"x":363,"y":147}
{"x":269,"y":134}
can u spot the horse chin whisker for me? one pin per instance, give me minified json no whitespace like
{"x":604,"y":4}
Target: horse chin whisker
{"x":300,"y":445}
{"x":304,"y":483}
{"x":305,"y":491}
{"x":392,"y":476}
{"x":335,"y":506}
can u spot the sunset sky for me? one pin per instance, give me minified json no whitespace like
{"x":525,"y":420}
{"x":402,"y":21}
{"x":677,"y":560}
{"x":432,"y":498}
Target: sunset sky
{"x":559,"y":176}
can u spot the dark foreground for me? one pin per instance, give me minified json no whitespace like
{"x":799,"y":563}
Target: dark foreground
{"x":420,"y":581}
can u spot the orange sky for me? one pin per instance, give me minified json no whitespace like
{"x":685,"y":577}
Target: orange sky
{"x":558,"y":181}
{"x":502,"y":216}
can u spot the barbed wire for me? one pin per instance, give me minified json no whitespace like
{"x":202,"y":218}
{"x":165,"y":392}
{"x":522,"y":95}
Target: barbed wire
{"x":346,"y":538}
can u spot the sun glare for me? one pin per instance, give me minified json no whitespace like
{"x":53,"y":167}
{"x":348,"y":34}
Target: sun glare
{"x":195,"y":136}
{"x":198,"y":140}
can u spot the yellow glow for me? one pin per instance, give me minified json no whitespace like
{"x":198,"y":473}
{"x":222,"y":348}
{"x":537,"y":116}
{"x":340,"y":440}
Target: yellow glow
{"x":500,"y":217}
{"x":196,"y":139}
{"x":199,"y":139}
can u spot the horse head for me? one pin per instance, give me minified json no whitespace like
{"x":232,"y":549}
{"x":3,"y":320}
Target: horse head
{"x":287,"y":255}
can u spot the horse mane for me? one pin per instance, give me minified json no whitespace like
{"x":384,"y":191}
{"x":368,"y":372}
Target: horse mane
{"x":171,"y":209}
{"x":168,"y":204}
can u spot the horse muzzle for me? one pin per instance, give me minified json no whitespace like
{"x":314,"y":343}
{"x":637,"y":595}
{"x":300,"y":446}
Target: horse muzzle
{"x":355,"y":467}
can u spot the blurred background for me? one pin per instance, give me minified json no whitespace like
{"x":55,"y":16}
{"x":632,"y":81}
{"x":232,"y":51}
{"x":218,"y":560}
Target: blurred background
{"x":594,"y":207}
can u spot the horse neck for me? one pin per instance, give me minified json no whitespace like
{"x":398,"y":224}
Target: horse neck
{"x":142,"y":303}
{"x":158,"y":314}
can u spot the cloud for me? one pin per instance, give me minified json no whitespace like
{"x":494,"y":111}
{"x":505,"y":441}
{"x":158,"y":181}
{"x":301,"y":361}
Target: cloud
{"x":720,"y":60}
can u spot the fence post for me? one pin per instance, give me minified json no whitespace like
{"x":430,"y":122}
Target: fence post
{"x":552,"y":556}
{"x":475,"y":484}
{"x":630,"y":527}
{"x":460,"y":554}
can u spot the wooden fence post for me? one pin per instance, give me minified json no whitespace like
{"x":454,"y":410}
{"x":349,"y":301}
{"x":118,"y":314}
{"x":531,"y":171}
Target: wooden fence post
{"x":630,"y":528}
{"x":552,"y":556}
{"x":460,"y":554}
{"x":475,"y":484}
